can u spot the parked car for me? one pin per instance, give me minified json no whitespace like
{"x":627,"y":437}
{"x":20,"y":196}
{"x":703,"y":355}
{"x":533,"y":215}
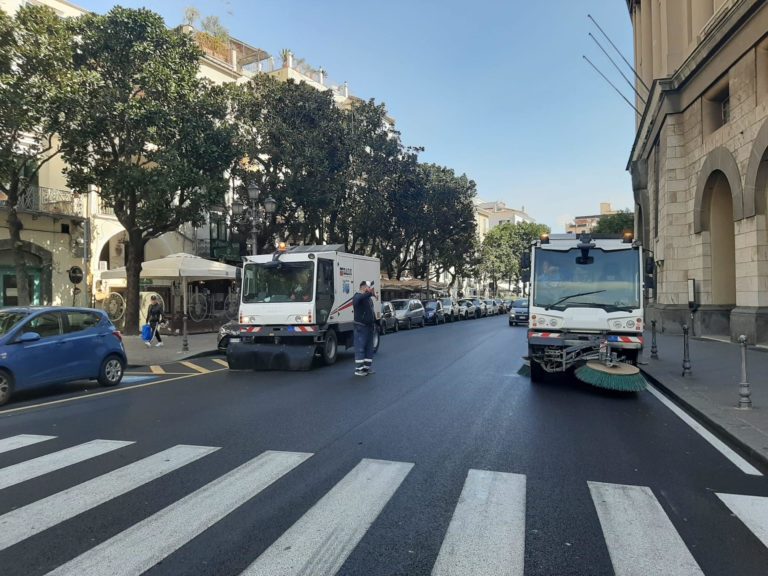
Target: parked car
{"x":434,"y":312}
{"x":518,"y":313}
{"x":466,"y":309}
{"x":388,"y":322}
{"x":492,"y":307}
{"x":481,"y":310}
{"x":409,"y":313}
{"x":450,"y":309}
{"x":52,"y":345}
{"x":226,"y":331}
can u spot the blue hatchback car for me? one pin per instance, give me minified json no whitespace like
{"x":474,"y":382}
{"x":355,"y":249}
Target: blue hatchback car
{"x":50,"y":345}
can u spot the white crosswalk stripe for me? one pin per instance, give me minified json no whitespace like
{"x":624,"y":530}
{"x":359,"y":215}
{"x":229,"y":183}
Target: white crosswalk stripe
{"x":640,"y":537}
{"x":22,"y":440}
{"x":324,"y":537}
{"x":142,"y":546}
{"x":23,"y":471}
{"x":487,"y":532}
{"x":752,"y":510}
{"x":32,"y":519}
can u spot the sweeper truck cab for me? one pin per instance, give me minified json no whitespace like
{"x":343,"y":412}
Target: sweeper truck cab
{"x":296,"y":304}
{"x":586,"y":308}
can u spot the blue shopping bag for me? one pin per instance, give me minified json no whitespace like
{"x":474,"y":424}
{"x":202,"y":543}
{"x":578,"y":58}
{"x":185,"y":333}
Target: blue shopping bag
{"x":146,"y":332}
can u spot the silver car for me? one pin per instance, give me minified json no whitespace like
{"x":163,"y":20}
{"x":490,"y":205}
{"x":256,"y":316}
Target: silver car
{"x":409,"y":313}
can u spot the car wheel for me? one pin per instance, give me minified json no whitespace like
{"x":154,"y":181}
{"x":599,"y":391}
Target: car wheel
{"x":397,"y":326}
{"x":376,"y":340}
{"x":409,"y":324}
{"x":111,"y":372}
{"x":511,"y":323}
{"x":331,"y":348}
{"x":6,"y":386}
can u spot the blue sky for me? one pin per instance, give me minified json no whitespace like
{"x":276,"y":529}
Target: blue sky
{"x":494,"y":89}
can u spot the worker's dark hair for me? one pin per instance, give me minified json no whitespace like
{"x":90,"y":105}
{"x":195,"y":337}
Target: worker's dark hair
{"x":363,"y":283}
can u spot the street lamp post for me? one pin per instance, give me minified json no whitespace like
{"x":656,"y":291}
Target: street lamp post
{"x":258,"y":216}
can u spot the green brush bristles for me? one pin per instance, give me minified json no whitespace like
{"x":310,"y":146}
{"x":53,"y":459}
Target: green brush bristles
{"x":621,"y":382}
{"x":525,"y":371}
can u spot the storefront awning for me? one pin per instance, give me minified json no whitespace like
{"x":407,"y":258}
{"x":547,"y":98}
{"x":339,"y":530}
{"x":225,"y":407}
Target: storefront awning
{"x":176,"y":266}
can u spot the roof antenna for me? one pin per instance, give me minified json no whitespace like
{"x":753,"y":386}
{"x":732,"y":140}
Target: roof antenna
{"x":619,"y":53}
{"x":613,"y":86}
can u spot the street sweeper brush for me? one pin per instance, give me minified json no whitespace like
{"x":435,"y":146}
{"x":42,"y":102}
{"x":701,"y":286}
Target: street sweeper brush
{"x":622,"y":377}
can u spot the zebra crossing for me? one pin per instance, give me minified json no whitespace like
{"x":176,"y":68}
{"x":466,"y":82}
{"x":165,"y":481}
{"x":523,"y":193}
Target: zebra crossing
{"x":485,"y":535}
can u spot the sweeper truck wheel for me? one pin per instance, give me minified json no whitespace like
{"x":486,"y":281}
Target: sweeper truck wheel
{"x":331,"y":348}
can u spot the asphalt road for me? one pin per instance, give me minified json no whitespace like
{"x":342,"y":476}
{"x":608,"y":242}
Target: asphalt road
{"x":445,"y":459}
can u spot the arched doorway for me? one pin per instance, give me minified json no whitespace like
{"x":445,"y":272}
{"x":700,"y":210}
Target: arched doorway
{"x":722,"y":239}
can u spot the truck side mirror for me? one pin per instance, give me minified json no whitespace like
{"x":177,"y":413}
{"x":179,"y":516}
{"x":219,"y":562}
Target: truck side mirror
{"x":650,"y":265}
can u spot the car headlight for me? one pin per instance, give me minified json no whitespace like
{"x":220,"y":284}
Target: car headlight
{"x":630,"y":323}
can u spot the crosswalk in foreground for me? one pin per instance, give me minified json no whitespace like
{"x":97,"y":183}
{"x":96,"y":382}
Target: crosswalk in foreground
{"x":486,"y":533}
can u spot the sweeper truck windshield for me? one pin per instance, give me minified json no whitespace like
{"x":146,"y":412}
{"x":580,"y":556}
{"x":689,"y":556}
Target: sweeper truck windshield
{"x":278,"y":282}
{"x":607,"y":279}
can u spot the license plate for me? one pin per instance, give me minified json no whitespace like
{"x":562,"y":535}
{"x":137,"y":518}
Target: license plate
{"x":234,"y":339}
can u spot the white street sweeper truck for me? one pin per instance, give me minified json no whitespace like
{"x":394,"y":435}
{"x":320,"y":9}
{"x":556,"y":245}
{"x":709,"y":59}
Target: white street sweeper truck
{"x":296,"y":305}
{"x":586,"y":309}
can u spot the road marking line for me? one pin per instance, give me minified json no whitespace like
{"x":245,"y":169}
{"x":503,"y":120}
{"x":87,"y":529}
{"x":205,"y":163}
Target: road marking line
{"x":157,"y":369}
{"x":221,"y":362}
{"x":752,"y":510}
{"x":32,"y":519}
{"x":23,"y":471}
{"x":20,"y":441}
{"x":104,"y":393}
{"x":320,"y":541}
{"x":194,"y":367}
{"x":641,"y":538}
{"x":718,"y":444}
{"x":143,"y":545}
{"x":487,"y":531}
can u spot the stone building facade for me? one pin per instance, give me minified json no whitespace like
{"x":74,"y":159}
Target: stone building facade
{"x":699,"y":163}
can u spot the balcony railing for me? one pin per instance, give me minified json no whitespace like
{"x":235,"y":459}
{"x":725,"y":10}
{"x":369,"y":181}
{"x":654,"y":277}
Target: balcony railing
{"x":49,"y":201}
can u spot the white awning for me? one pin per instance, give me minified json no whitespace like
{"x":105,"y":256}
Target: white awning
{"x":179,"y":265}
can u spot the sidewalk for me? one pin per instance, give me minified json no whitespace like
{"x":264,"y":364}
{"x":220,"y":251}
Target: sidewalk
{"x":711,"y":392}
{"x":139,"y":355}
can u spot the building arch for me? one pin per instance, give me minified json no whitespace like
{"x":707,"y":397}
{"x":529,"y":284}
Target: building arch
{"x":718,"y":220}
{"x":40,"y":262}
{"x":756,"y":178}
{"x":720,"y":160}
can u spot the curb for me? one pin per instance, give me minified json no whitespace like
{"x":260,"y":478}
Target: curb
{"x":759,"y":459}
{"x":202,"y":354}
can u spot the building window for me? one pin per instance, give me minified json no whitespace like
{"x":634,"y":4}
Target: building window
{"x":716,"y":107}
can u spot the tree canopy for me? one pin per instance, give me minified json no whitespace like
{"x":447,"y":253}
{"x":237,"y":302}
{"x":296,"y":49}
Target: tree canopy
{"x":153,"y":138}
{"x":622,"y":221}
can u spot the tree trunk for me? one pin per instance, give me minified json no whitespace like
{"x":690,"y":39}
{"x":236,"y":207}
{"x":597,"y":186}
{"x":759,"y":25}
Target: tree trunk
{"x":135,"y":256}
{"x":19,"y":262}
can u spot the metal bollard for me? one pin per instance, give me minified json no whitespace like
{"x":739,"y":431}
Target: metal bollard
{"x":686,"y":352}
{"x":184,"y":338}
{"x":654,"y":348}
{"x":745,"y":394}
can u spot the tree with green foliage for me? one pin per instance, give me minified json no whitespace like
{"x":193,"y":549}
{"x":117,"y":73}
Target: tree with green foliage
{"x":292,"y":138}
{"x":503,"y":248}
{"x":153,"y":138}
{"x":36,"y":80}
{"x":618,"y":223}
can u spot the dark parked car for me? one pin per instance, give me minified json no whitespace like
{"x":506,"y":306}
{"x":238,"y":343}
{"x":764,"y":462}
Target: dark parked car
{"x":450,"y":309}
{"x":231,"y":328}
{"x":52,"y":345}
{"x":409,"y":313}
{"x":433,"y":312}
{"x":388,"y":322}
{"x":518,"y":313}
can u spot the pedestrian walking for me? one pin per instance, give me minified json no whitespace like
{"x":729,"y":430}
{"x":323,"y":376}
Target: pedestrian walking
{"x":365,"y":324}
{"x":154,"y":318}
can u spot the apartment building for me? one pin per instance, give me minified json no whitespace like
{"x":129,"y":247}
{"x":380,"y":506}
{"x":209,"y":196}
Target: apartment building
{"x":587,"y":223}
{"x":698,"y":162}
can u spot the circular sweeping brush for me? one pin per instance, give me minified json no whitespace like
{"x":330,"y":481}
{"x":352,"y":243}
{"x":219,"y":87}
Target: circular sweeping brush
{"x":623,"y":377}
